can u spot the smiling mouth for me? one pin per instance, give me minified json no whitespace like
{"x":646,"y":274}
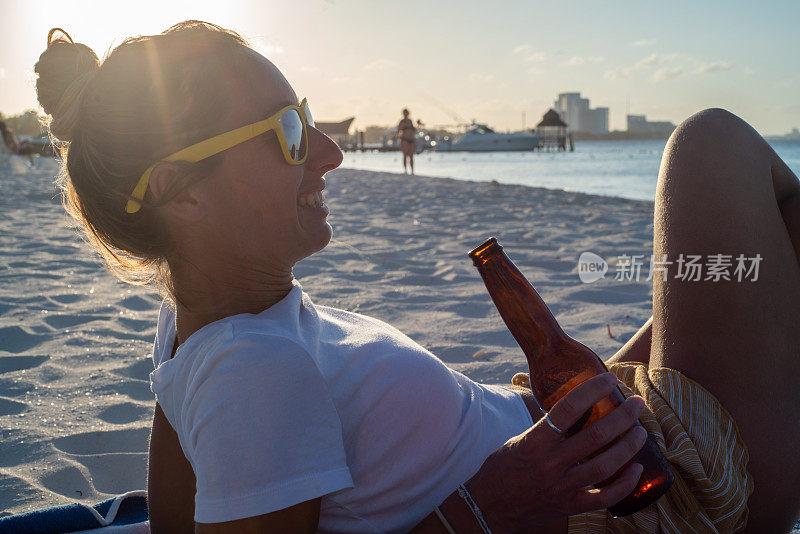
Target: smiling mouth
{"x":311,"y":200}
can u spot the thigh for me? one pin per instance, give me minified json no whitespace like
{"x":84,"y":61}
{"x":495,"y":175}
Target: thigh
{"x":719,"y":192}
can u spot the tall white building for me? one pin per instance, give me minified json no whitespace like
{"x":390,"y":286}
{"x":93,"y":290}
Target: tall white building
{"x":575,"y":111}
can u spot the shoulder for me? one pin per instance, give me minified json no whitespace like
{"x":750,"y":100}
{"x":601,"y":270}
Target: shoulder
{"x":241,"y":354}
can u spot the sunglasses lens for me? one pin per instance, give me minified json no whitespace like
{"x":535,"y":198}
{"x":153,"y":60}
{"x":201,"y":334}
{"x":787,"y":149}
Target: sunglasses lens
{"x":309,"y":117}
{"x":293,"y":134}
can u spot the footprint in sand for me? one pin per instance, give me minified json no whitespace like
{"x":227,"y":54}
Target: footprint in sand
{"x":13,"y":387}
{"x":9,"y":364}
{"x":69,"y":320}
{"x":70,"y":480}
{"x":136,"y":325}
{"x":140,"y":369}
{"x":137,"y":303}
{"x":67,"y":298}
{"x":116,"y":473}
{"x":16,"y":492}
{"x":11,"y":407}
{"x":102,"y":442}
{"x":119,"y":414}
{"x":135,"y":389}
{"x":16,"y":339}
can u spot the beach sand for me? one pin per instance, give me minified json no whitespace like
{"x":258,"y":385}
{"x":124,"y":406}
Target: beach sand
{"x":75,"y":401}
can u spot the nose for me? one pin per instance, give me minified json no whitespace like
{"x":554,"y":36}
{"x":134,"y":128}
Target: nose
{"x":323,"y":154}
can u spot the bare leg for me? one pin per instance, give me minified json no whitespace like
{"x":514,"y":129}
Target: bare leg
{"x":411,"y":160}
{"x":637,"y":349}
{"x":405,"y":159}
{"x":723,"y":190}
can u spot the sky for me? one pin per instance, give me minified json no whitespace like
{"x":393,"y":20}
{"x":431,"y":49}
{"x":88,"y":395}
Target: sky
{"x":502,"y":63}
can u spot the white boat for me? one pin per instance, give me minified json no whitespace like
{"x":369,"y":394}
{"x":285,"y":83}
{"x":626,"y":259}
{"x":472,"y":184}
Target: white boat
{"x":481,"y":138}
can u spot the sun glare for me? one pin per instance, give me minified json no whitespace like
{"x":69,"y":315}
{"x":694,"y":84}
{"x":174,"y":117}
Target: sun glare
{"x":102,"y":28}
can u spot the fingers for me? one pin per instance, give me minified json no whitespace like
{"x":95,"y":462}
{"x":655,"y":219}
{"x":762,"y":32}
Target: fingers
{"x":605,"y":464}
{"x":603,"y":431}
{"x":608,"y":495}
{"x":574,"y":404}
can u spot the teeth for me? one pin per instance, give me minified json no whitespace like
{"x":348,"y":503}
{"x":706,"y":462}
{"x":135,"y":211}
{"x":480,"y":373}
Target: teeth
{"x":311,"y":200}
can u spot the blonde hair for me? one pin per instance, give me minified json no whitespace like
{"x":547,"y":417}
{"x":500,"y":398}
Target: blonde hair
{"x":150,"y":97}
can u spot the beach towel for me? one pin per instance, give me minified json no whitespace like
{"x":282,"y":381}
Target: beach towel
{"x":123,"y":514}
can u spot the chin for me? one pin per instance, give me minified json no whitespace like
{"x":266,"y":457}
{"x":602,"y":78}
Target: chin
{"x":321,"y":240}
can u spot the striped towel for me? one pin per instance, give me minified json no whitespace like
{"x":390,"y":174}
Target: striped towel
{"x":123,"y":514}
{"x":708,"y":457}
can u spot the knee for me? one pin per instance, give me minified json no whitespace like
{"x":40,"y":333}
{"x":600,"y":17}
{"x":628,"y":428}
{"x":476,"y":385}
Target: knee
{"x":712,"y":127}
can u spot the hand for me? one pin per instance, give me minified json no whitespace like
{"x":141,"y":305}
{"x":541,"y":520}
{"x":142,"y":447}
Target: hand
{"x":541,"y":476}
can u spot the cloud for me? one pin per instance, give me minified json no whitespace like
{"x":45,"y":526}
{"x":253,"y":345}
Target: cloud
{"x":536,"y":57}
{"x":666,"y":73}
{"x":380,"y":64}
{"x":578,"y":60}
{"x":266,"y":49}
{"x":643,"y":42}
{"x":619,"y":73}
{"x":528,"y":54}
{"x":716,"y":66}
{"x":3,"y":74}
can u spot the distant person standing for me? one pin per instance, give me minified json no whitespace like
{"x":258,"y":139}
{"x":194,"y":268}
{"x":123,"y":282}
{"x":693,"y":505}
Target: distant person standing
{"x":406,"y":132}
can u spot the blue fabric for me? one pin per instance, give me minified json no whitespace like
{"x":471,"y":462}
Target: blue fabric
{"x":74,"y":517}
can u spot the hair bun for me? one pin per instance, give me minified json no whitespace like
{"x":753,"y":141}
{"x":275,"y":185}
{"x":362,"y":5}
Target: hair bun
{"x":65,"y":69}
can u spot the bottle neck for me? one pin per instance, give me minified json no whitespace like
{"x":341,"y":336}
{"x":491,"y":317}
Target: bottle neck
{"x":525,"y":313}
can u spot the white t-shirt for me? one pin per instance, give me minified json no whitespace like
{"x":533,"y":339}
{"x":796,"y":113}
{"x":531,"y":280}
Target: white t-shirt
{"x":302,"y":401}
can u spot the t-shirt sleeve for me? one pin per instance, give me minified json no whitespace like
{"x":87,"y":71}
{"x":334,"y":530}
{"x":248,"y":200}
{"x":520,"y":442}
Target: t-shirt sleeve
{"x":263,"y":432}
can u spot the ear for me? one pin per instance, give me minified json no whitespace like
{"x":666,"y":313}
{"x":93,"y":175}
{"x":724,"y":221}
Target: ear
{"x":188,"y":204}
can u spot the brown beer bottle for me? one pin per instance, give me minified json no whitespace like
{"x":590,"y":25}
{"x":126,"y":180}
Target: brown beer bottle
{"x":558,"y":363}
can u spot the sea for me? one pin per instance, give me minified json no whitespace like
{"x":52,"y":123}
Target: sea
{"x":627,"y":169}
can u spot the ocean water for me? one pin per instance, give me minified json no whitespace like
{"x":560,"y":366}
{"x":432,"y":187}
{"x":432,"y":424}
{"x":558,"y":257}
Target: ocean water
{"x":627,"y":169}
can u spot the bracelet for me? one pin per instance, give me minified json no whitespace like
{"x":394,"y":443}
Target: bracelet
{"x":464,"y":494}
{"x":447,"y":526}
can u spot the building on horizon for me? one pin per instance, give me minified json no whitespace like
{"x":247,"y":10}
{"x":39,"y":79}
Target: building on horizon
{"x":794,"y":135}
{"x":575,"y":111}
{"x":638,"y":124}
{"x":338,"y":131}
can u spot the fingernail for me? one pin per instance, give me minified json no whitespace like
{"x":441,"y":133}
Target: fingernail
{"x":638,"y":469}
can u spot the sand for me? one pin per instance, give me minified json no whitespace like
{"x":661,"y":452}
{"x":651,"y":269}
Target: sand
{"x":75,"y":401}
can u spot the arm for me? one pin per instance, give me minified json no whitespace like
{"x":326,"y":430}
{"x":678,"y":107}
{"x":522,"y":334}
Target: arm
{"x":170,"y":481}
{"x":171,"y":488}
{"x":539,"y":478}
{"x":303,"y":517}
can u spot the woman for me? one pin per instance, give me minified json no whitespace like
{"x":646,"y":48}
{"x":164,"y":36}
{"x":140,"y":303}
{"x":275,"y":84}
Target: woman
{"x":406,"y":133}
{"x":277,"y":415}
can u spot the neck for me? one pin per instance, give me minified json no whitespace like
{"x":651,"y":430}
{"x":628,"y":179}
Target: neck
{"x":203,"y":298}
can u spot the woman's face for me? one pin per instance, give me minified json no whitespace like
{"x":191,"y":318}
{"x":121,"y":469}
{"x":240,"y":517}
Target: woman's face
{"x":260,"y":203}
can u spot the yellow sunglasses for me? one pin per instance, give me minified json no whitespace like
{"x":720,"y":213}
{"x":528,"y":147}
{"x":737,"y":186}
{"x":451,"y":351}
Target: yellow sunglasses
{"x":290,"y":124}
